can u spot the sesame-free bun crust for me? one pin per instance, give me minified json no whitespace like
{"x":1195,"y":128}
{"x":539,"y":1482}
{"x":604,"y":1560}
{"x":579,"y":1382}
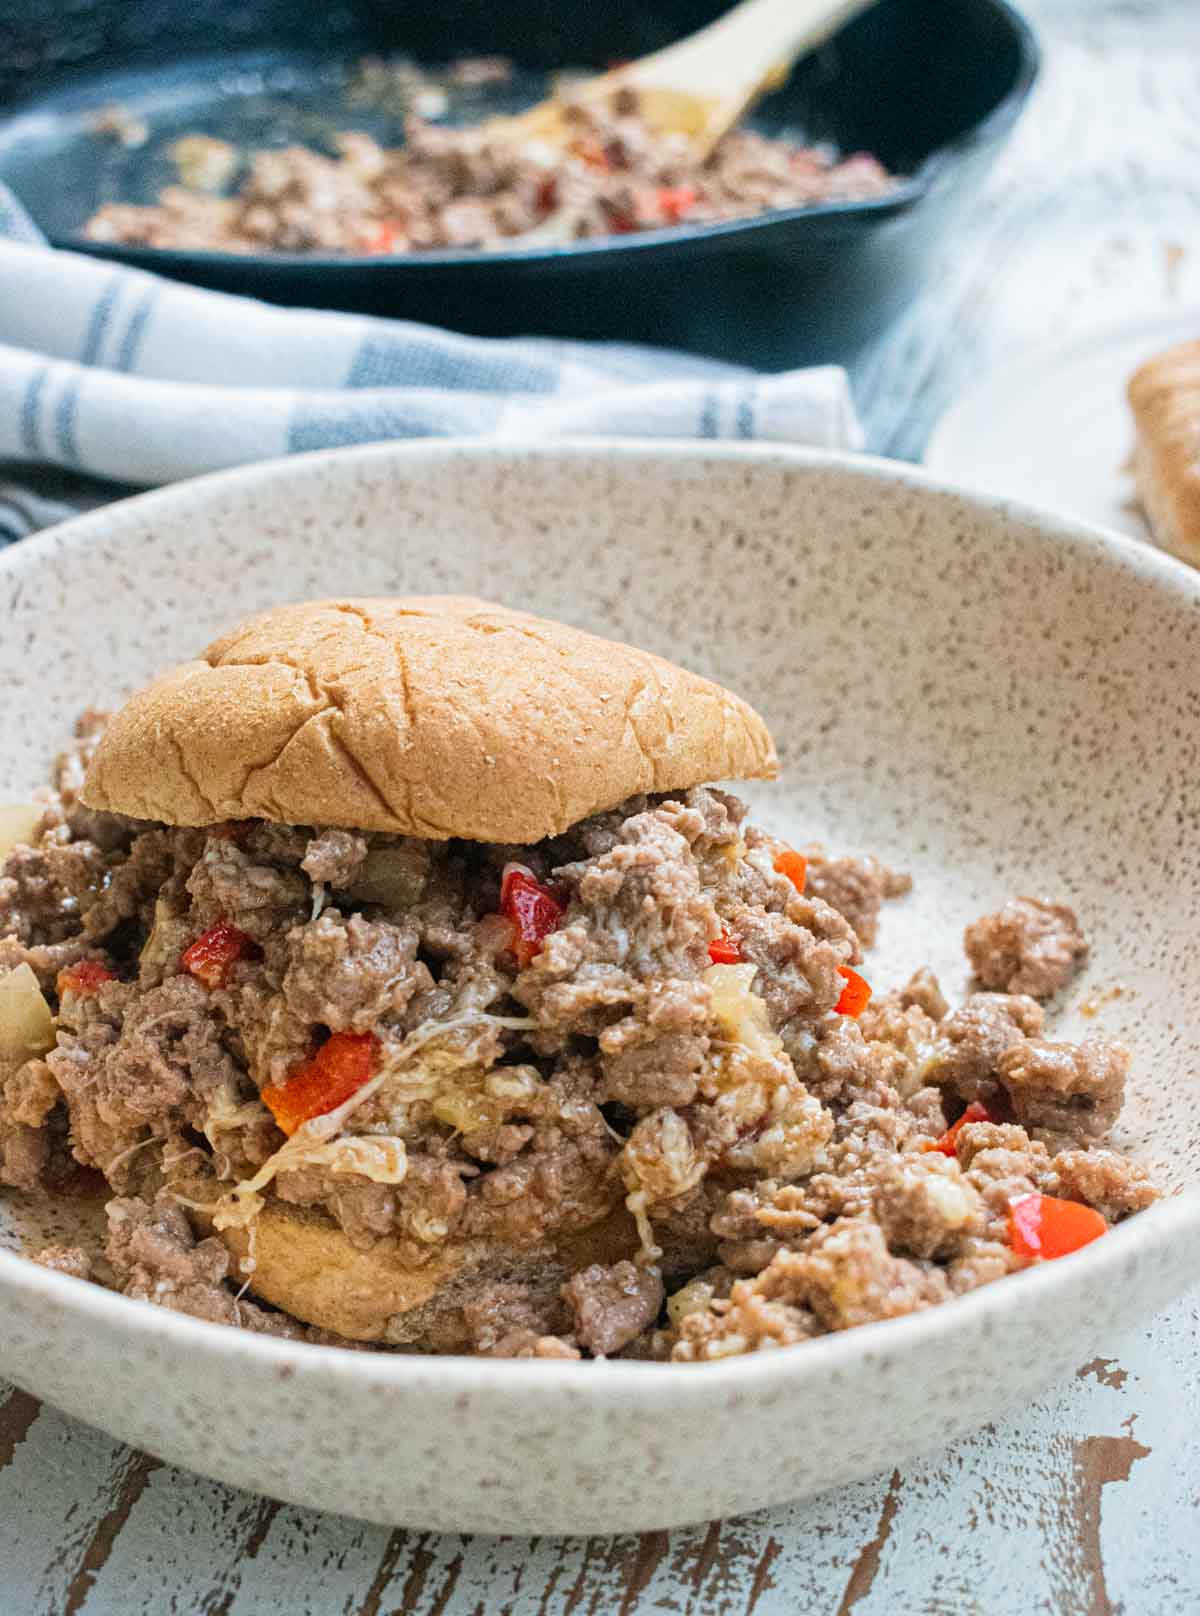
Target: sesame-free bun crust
{"x":300,"y":1260}
{"x":432,"y":716}
{"x":1164,"y":395}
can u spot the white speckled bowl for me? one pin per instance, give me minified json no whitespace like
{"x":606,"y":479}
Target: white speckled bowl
{"x":996,"y":699}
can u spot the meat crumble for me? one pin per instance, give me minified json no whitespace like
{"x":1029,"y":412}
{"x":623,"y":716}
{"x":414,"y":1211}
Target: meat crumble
{"x":477,"y":187}
{"x":1028,"y":946}
{"x":652,"y":1009}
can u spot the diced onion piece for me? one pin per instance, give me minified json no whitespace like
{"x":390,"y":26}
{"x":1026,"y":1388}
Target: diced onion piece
{"x":152,"y":947}
{"x":205,"y":164}
{"x":740,"y":1012}
{"x":18,"y":821}
{"x":691,"y":1298}
{"x":953,"y":1200}
{"x":461,"y":1104}
{"x":475,"y":1097}
{"x":26,"y":1022}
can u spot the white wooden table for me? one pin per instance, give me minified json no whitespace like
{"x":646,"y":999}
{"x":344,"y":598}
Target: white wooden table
{"x":1082,"y":1504}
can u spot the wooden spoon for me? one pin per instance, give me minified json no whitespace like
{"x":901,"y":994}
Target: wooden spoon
{"x":701,"y":85}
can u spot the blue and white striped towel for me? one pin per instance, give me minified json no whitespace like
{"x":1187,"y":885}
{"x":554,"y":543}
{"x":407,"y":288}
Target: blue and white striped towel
{"x":119,"y":374}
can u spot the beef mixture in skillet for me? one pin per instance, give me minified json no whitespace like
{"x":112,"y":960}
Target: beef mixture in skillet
{"x":452,"y":187}
{"x":663,"y":1005}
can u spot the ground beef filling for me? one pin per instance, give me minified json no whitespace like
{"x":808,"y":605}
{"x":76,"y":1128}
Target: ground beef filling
{"x":784,"y":1162}
{"x":469,"y":187}
{"x":1028,"y":946}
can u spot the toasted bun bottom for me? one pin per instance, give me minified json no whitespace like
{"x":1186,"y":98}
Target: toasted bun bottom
{"x":304,"y":1264}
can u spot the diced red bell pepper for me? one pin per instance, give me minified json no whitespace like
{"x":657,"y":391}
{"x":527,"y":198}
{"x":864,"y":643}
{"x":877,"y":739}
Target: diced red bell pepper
{"x":855,"y":996}
{"x":211,"y":957}
{"x":344,"y":1062}
{"x":675,"y":202}
{"x":1046,"y":1226}
{"x":85,"y":977}
{"x":948,"y":1143}
{"x":381,"y":238}
{"x":794,"y":866}
{"x":532,"y":908}
{"x":725,"y":949}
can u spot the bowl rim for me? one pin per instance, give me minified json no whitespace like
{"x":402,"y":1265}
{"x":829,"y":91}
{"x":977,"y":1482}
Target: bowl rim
{"x":1172,"y":1222}
{"x":911,"y":190}
{"x":1097,"y":1267}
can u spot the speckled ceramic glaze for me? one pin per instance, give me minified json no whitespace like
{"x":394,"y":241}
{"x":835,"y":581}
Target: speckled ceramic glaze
{"x":994,"y":699}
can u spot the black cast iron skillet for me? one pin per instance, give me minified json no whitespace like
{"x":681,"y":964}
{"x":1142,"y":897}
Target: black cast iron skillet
{"x":930,"y":86}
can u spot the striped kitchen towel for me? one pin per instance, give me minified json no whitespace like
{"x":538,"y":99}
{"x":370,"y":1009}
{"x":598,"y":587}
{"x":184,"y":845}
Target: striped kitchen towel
{"x":118,"y":374}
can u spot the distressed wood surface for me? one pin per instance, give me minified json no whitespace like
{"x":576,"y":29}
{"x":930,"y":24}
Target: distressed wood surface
{"x":1082,"y":1504}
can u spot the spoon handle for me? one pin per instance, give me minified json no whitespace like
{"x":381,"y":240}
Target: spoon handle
{"x":701,"y":85}
{"x":743,"y":51}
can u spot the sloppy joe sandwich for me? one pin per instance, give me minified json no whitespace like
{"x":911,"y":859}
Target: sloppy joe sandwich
{"x":398,"y":975}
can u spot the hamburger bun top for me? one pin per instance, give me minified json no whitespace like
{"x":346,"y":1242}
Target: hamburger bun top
{"x":437,"y":716}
